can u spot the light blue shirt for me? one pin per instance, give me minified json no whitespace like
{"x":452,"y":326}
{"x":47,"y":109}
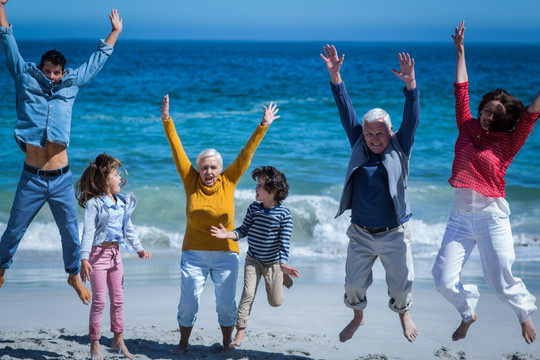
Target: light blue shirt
{"x":44,"y":109}
{"x":116,"y":215}
{"x":98,"y":215}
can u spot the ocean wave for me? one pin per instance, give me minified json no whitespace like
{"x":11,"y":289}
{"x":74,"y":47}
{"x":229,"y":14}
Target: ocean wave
{"x":317,"y":233}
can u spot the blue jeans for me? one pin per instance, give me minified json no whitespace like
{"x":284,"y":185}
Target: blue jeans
{"x":32,"y":192}
{"x":223,"y":269}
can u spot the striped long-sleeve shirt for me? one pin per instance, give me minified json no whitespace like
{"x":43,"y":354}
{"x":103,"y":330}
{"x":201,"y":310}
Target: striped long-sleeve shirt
{"x":268,"y":232}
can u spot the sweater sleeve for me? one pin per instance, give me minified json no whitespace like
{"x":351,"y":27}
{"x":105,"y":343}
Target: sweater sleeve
{"x":463,"y":111}
{"x":348,"y":116}
{"x":239,"y":166}
{"x":183,"y":165}
{"x":286,"y":228}
{"x":411,"y":118}
{"x":523,"y":129}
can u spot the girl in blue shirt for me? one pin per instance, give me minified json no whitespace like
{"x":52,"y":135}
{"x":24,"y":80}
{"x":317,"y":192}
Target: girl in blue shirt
{"x":107,"y":224}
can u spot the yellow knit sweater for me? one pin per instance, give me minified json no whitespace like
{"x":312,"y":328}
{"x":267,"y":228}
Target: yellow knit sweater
{"x":207,"y":206}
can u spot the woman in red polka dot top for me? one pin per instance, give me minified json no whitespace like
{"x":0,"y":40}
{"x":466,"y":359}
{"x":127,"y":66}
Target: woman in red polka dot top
{"x":484,"y":149}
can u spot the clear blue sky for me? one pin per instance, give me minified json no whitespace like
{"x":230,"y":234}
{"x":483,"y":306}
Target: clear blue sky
{"x":318,"y":20}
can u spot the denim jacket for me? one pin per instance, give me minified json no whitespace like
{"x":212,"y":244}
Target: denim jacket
{"x":96,"y":219}
{"x":44,"y":109}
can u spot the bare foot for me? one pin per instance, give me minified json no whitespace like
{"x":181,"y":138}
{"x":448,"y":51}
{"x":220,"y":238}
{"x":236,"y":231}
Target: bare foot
{"x":461,"y":331}
{"x":528,"y":331}
{"x":238,"y":338}
{"x":179,"y":350}
{"x":118,"y":344}
{"x":95,"y":352}
{"x":185,"y":333}
{"x":227,"y":337}
{"x":82,"y":291}
{"x":2,"y":271}
{"x":350,"y":329}
{"x":287,"y":281}
{"x":409,"y":329}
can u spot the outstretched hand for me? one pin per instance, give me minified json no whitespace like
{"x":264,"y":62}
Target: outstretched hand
{"x":165,"y":108}
{"x":116,"y":21}
{"x":143,"y":254}
{"x":406,"y":70}
{"x":3,"y":2}
{"x":459,"y":35}
{"x":270,"y":114}
{"x":289,"y":270}
{"x":219,"y":232}
{"x":333,"y":62}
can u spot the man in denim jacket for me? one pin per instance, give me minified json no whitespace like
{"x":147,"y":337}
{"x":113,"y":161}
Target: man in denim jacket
{"x":45,"y":96}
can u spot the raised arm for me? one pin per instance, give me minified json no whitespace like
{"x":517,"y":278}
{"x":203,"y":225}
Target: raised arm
{"x":183,"y":165}
{"x":535,"y":105}
{"x":333,"y":63}
{"x":3,"y":17}
{"x":116,"y":24}
{"x":235,"y":171}
{"x":406,"y":70}
{"x":461,"y":66}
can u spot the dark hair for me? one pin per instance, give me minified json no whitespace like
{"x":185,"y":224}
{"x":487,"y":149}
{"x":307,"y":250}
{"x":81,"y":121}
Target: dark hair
{"x":54,"y":57}
{"x":93,"y":181}
{"x":274,"y":180}
{"x":506,"y":121}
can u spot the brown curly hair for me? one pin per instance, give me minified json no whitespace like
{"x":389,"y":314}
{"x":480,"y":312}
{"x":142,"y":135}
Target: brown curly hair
{"x":274,"y":180}
{"x":513,"y":107}
{"x":93,"y":181}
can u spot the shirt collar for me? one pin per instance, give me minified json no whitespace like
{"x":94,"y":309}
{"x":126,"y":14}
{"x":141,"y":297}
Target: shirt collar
{"x":110,"y":204}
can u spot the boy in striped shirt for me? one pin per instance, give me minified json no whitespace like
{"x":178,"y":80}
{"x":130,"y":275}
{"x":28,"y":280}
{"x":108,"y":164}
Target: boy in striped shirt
{"x":268,"y":226}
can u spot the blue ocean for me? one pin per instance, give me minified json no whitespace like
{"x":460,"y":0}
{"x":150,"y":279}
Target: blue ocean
{"x":217,"y":90}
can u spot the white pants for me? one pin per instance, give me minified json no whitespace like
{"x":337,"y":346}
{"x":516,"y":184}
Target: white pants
{"x":394,"y":249}
{"x":493,"y":235}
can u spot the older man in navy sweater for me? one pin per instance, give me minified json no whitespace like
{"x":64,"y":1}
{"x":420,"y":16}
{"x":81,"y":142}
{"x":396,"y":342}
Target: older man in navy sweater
{"x":376,"y":192}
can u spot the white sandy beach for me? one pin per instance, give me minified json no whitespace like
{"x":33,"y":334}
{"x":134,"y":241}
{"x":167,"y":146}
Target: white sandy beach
{"x":52,"y":324}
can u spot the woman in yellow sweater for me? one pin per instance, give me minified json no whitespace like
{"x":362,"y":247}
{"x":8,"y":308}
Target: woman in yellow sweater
{"x":210,"y":201}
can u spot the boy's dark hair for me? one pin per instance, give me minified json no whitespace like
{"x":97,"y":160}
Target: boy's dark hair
{"x":54,"y":57}
{"x":274,"y":180}
{"x":503,"y":121}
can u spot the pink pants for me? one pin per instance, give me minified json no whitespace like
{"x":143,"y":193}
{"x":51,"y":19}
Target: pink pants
{"x":107,"y":271}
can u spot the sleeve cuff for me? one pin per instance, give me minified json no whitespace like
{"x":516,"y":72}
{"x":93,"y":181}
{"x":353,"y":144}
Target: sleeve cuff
{"x":104,"y":47}
{"x":6,"y":30}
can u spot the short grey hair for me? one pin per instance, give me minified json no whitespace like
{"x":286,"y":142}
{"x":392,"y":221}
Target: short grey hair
{"x":376,"y":114}
{"x":210,"y":153}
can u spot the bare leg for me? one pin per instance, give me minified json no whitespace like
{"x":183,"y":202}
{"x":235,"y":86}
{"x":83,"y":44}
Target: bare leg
{"x":2,"y":271}
{"x":185,"y":332}
{"x":528,"y":331}
{"x":409,"y":329}
{"x":350,"y":329}
{"x":461,"y":331}
{"x":118,"y":344}
{"x":287,"y":281}
{"x":239,"y":337}
{"x":95,"y":352}
{"x":227,"y":337}
{"x":82,"y":291}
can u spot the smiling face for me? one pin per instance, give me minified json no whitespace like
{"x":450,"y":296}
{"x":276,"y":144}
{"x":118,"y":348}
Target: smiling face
{"x":493,"y":109}
{"x":209,"y":169}
{"x":55,"y":73}
{"x":377,"y":135}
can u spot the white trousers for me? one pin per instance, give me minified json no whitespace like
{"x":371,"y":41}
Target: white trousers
{"x":393,"y":248}
{"x":493,"y":236}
